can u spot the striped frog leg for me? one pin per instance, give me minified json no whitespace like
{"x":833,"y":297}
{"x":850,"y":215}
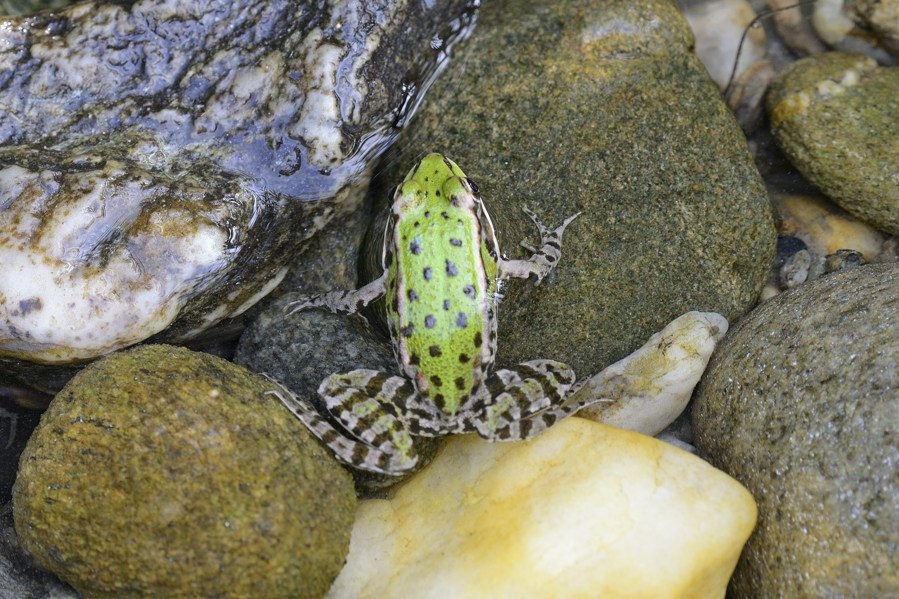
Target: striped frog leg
{"x":347,"y":450}
{"x":544,"y":259}
{"x":346,"y":302}
{"x":380,"y":412}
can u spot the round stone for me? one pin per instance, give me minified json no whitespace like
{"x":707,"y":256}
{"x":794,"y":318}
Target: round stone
{"x":166,"y":472}
{"x":661,"y":174}
{"x":834,"y":116}
{"x":801,"y":404}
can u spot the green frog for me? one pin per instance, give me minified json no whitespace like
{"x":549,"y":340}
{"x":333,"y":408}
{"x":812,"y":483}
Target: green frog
{"x":442,"y":270}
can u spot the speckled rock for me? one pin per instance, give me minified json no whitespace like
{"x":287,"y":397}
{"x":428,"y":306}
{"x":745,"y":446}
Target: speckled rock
{"x":169,"y":192}
{"x":600,"y":107}
{"x":583,"y":510}
{"x":164,"y":472}
{"x":834,"y":116}
{"x":801,"y":404}
{"x":299,"y":350}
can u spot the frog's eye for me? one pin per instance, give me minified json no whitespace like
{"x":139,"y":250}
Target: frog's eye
{"x":474,"y":187}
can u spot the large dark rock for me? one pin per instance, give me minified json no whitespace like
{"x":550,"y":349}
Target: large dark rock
{"x":800,"y":403}
{"x":600,"y":107}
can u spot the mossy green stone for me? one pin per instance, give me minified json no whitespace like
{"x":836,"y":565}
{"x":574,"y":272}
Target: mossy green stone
{"x":836,"y":116}
{"x":600,"y":107}
{"x":800,"y":403}
{"x":161,"y":472}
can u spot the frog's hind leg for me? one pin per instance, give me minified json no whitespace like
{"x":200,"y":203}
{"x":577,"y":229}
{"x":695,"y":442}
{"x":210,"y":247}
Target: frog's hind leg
{"x":523,"y":401}
{"x":345,"y":449}
{"x":382,"y":412}
{"x":346,"y":302}
{"x":544,"y":258}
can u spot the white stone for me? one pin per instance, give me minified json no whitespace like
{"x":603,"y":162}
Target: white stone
{"x":718,"y":26}
{"x":582,"y":510}
{"x":61,"y":299}
{"x":648,"y":389}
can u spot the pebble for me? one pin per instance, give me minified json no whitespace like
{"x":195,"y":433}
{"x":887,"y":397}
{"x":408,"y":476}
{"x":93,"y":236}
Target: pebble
{"x":824,"y":227}
{"x":834,"y":116}
{"x":719,"y":28}
{"x":646,"y":391}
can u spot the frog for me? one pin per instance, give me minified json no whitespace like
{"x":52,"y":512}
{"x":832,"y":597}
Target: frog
{"x":441,"y":280}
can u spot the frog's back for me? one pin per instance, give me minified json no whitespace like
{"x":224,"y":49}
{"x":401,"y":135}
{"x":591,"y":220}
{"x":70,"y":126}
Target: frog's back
{"x":439,"y":286}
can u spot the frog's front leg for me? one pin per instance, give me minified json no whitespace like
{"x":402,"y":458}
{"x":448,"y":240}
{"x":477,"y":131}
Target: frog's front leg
{"x":347,"y":302}
{"x":523,"y":401}
{"x":544,"y":258}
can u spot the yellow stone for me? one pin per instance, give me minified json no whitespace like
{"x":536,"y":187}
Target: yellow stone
{"x":824,"y":227}
{"x":583,"y":510}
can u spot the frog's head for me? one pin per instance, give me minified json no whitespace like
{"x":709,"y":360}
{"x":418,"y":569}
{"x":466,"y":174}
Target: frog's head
{"x":435,"y":182}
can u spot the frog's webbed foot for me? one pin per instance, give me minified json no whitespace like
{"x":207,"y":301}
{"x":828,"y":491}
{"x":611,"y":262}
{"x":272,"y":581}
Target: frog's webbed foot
{"x":544,"y":258}
{"x":347,"y":302}
{"x":528,"y":399}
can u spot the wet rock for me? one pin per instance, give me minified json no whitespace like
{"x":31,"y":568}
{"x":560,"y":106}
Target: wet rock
{"x":600,"y":107}
{"x":206,"y":142}
{"x":795,"y":27}
{"x":161,"y":471}
{"x":734,"y":50}
{"x":580,"y":511}
{"x":847,"y":28}
{"x":330,"y":261}
{"x":824,"y":227}
{"x":842,"y":259}
{"x":718,"y":26}
{"x":834,"y":115}
{"x":882,"y":18}
{"x":876,"y":24}
{"x":800,"y":403}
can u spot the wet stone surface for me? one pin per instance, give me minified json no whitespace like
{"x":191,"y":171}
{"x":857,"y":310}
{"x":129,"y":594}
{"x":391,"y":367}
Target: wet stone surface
{"x":165,"y":472}
{"x":168,"y":193}
{"x":801,"y":404}
{"x":834,"y":116}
